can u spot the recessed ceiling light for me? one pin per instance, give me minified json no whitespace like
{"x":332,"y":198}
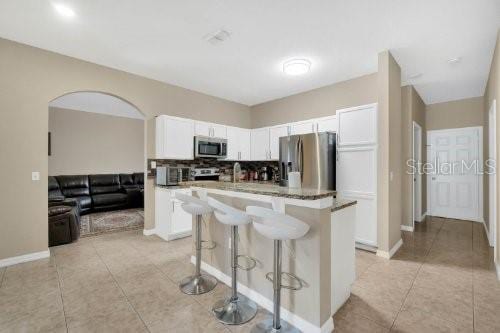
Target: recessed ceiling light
{"x":63,"y":10}
{"x":296,"y":66}
{"x":454,"y":61}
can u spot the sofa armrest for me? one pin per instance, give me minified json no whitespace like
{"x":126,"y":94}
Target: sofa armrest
{"x":66,"y":202}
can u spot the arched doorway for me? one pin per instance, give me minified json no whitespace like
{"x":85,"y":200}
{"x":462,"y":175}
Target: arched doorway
{"x":96,"y":163}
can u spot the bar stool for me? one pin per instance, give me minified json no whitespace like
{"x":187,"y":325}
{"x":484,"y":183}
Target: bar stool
{"x":278,"y":227}
{"x":198,"y":283}
{"x":236,"y":309}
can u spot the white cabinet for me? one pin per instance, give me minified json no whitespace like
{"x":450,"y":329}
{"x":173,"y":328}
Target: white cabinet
{"x":275,"y":133}
{"x":357,"y":126}
{"x":238,"y":144}
{"x":174,"y":138}
{"x":260,"y":144}
{"x":304,"y":127}
{"x":210,"y":130}
{"x":326,"y":125}
{"x":171,"y":221}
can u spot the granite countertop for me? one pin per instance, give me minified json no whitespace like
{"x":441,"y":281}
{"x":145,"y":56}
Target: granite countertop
{"x":262,"y":188}
{"x":339,"y":204}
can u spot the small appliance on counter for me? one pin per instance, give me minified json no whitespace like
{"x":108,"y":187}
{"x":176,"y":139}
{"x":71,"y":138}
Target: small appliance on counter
{"x":206,"y":174}
{"x":171,"y":176}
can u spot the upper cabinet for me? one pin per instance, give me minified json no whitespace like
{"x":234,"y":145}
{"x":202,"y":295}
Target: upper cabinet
{"x":210,"y":130}
{"x":326,"y":125}
{"x":260,"y":144}
{"x":275,"y":133}
{"x":238,"y":144}
{"x":303,"y":127}
{"x":357,"y":126}
{"x":174,"y":138}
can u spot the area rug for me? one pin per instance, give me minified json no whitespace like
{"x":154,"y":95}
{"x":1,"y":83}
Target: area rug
{"x":114,"y":221}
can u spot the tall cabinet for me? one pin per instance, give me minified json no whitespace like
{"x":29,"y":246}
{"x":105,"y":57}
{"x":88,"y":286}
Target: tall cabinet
{"x":357,"y":167}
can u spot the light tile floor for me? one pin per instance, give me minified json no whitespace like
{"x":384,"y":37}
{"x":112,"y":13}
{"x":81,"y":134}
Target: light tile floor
{"x":442,"y":280}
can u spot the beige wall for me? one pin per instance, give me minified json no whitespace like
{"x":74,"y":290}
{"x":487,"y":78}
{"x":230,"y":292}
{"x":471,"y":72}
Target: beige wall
{"x":492,"y":93}
{"x":413,"y":110}
{"x":316,"y":103}
{"x":455,"y":114}
{"x":91,"y":143}
{"x":389,"y":202}
{"x":30,"y":78}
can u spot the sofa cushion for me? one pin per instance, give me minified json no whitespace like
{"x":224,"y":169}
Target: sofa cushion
{"x":126,"y":179}
{"x":74,"y":186}
{"x":139,"y":179}
{"x":84,"y":202}
{"x":55,"y":193}
{"x":109,"y":199}
{"x":100,"y":184}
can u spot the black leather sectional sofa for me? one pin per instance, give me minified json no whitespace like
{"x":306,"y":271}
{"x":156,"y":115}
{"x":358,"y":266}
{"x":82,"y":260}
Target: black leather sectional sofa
{"x":99,"y":192}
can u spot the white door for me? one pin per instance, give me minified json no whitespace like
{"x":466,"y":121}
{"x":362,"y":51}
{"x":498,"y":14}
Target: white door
{"x":179,"y":136}
{"x":455,"y":183}
{"x":327,"y":125}
{"x":275,"y":133}
{"x":233,"y":143}
{"x":260,"y":144}
{"x":417,"y":177}
{"x":302,"y":128}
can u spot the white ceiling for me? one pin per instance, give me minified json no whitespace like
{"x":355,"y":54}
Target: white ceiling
{"x":97,"y":103}
{"x":163,"y":40}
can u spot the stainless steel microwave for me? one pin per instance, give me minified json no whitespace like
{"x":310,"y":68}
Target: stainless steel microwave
{"x":210,"y":147}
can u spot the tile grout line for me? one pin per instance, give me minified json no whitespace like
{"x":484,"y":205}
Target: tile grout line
{"x":413,"y":280}
{"x":121,"y":289}
{"x":61,"y":292}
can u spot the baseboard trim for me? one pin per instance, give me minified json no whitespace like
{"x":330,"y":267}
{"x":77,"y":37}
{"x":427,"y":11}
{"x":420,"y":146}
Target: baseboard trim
{"x":395,"y":248}
{"x":178,"y":235}
{"x":497,"y":265}
{"x":487,"y":234}
{"x":407,"y":228}
{"x":24,"y":258}
{"x":148,"y":232}
{"x":267,"y":304}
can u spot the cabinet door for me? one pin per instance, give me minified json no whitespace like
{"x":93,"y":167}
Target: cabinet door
{"x":181,"y":221}
{"x":233,"y":143}
{"x":179,"y":136}
{"x":302,"y":128}
{"x":163,"y":213}
{"x":260,"y":144}
{"x":327,"y":125}
{"x":357,"y":126}
{"x":275,"y":133}
{"x":244,"y":144}
{"x":219,"y":131}
{"x":202,"y":128}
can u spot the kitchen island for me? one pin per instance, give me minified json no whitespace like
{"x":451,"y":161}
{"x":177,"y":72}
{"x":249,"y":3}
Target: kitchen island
{"x":323,"y":259}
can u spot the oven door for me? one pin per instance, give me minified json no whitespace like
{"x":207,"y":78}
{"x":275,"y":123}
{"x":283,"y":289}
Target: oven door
{"x":210,"y":147}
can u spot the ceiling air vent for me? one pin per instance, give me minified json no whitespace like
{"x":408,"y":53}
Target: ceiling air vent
{"x":217,"y":37}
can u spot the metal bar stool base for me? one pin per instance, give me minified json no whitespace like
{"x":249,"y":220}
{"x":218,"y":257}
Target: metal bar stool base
{"x":266,"y":326}
{"x":235,"y":311}
{"x":197,"y":285}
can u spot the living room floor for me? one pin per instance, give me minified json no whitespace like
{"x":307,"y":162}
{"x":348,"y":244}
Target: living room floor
{"x":441,"y":280}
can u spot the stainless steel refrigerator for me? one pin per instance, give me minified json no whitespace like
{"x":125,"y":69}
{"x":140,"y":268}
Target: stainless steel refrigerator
{"x":313,"y":155}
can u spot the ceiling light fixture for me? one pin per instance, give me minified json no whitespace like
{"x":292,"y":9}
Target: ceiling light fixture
{"x":296,"y":67}
{"x":64,"y":10}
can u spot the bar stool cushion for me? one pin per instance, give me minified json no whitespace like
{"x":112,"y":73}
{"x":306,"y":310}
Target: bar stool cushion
{"x":193,"y":205}
{"x":275,"y":225}
{"x":226,"y":214}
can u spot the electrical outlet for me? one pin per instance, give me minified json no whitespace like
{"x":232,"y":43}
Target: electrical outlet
{"x":35,"y":175}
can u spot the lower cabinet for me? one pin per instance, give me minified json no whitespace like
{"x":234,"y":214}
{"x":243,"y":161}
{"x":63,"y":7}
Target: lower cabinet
{"x":171,"y":221}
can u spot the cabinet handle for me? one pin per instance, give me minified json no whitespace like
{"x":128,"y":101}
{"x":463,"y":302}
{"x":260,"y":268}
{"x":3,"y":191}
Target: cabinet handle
{"x":312,"y":127}
{"x":173,"y":207}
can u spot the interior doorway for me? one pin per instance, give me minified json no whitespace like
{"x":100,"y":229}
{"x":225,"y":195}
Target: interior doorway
{"x":455,"y":181}
{"x":492,"y":177}
{"x":417,"y":176}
